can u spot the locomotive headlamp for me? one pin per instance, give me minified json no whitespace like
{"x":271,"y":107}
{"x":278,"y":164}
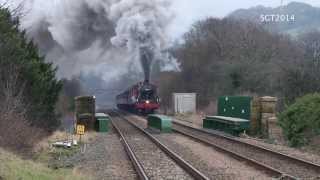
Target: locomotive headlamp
{"x":147,"y":102}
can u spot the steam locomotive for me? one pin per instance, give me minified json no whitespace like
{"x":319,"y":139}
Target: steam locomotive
{"x":141,"y":98}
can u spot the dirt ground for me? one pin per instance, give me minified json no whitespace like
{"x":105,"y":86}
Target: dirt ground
{"x":215,"y":164}
{"x":191,"y":119}
{"x":103,"y":158}
{"x":305,"y":153}
{"x":98,"y":156}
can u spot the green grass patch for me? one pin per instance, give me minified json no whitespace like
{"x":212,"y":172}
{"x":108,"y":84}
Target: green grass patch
{"x":64,"y":152}
{"x":54,"y":156}
{"x":13,"y":167}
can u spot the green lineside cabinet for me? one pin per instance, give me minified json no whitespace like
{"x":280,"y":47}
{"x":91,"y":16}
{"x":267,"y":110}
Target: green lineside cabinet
{"x":234,"y":115}
{"x":235,"y":106}
{"x":102,"y":122}
{"x":234,"y":126}
{"x":160,"y":122}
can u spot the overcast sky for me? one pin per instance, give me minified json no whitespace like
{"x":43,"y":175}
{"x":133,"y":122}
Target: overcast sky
{"x":188,"y":11}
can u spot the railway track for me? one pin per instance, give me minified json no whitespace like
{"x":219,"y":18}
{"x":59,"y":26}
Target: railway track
{"x":151,"y":159}
{"x":275,"y":163}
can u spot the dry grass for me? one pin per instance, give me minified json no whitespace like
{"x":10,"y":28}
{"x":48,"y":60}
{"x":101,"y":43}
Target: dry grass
{"x":211,"y":109}
{"x":16,"y":133}
{"x":45,"y":144}
{"x":314,"y":146}
{"x":194,"y":119}
{"x":49,"y":155}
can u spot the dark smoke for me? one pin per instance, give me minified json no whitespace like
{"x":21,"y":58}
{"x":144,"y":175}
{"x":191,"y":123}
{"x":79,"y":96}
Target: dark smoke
{"x":146,"y":58}
{"x":108,"y":39}
{"x":141,"y":30}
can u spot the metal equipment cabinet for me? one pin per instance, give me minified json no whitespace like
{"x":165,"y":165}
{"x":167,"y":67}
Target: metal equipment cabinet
{"x":160,"y":122}
{"x":102,"y":122}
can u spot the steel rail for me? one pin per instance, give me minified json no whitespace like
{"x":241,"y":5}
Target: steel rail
{"x":279,"y":154}
{"x":181,"y":162}
{"x":270,"y":170}
{"x":308,"y":163}
{"x":136,"y":164}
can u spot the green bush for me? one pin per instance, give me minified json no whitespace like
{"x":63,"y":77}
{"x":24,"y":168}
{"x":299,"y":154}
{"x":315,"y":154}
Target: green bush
{"x":301,"y":120}
{"x":28,"y":74}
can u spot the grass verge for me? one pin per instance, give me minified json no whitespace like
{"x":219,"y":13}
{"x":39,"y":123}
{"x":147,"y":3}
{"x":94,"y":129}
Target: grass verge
{"x":13,"y":167}
{"x":45,"y":164}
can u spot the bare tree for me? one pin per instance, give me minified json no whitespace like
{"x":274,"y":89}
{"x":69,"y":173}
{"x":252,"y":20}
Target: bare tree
{"x":232,"y":57}
{"x":15,"y":131}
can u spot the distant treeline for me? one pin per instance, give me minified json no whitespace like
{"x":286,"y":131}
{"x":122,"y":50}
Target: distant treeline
{"x":232,"y":57}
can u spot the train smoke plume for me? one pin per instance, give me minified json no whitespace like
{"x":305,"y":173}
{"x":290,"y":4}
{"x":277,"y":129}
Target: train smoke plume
{"x":146,"y":58}
{"x":141,"y":28}
{"x":108,"y":38}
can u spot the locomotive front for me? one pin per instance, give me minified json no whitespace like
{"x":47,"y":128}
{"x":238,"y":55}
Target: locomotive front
{"x":141,"y":97}
{"x":148,"y":100}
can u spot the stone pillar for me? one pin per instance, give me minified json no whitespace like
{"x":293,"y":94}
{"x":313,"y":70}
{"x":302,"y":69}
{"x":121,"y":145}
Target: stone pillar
{"x":268,"y":116}
{"x":275,"y":131}
{"x":255,"y":115}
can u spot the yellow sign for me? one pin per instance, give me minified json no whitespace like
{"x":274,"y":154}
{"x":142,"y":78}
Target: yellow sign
{"x":80,"y":129}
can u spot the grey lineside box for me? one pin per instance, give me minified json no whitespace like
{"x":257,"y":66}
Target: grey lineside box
{"x":184,"y":103}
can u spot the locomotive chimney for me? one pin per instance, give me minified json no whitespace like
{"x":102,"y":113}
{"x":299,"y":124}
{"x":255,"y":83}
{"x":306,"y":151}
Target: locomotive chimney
{"x":146,"y":58}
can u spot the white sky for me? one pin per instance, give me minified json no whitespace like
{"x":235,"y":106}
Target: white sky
{"x":188,"y":11}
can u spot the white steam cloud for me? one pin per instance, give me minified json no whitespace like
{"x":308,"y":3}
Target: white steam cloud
{"x":141,"y":28}
{"x":86,"y":35}
{"x":115,"y":40}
